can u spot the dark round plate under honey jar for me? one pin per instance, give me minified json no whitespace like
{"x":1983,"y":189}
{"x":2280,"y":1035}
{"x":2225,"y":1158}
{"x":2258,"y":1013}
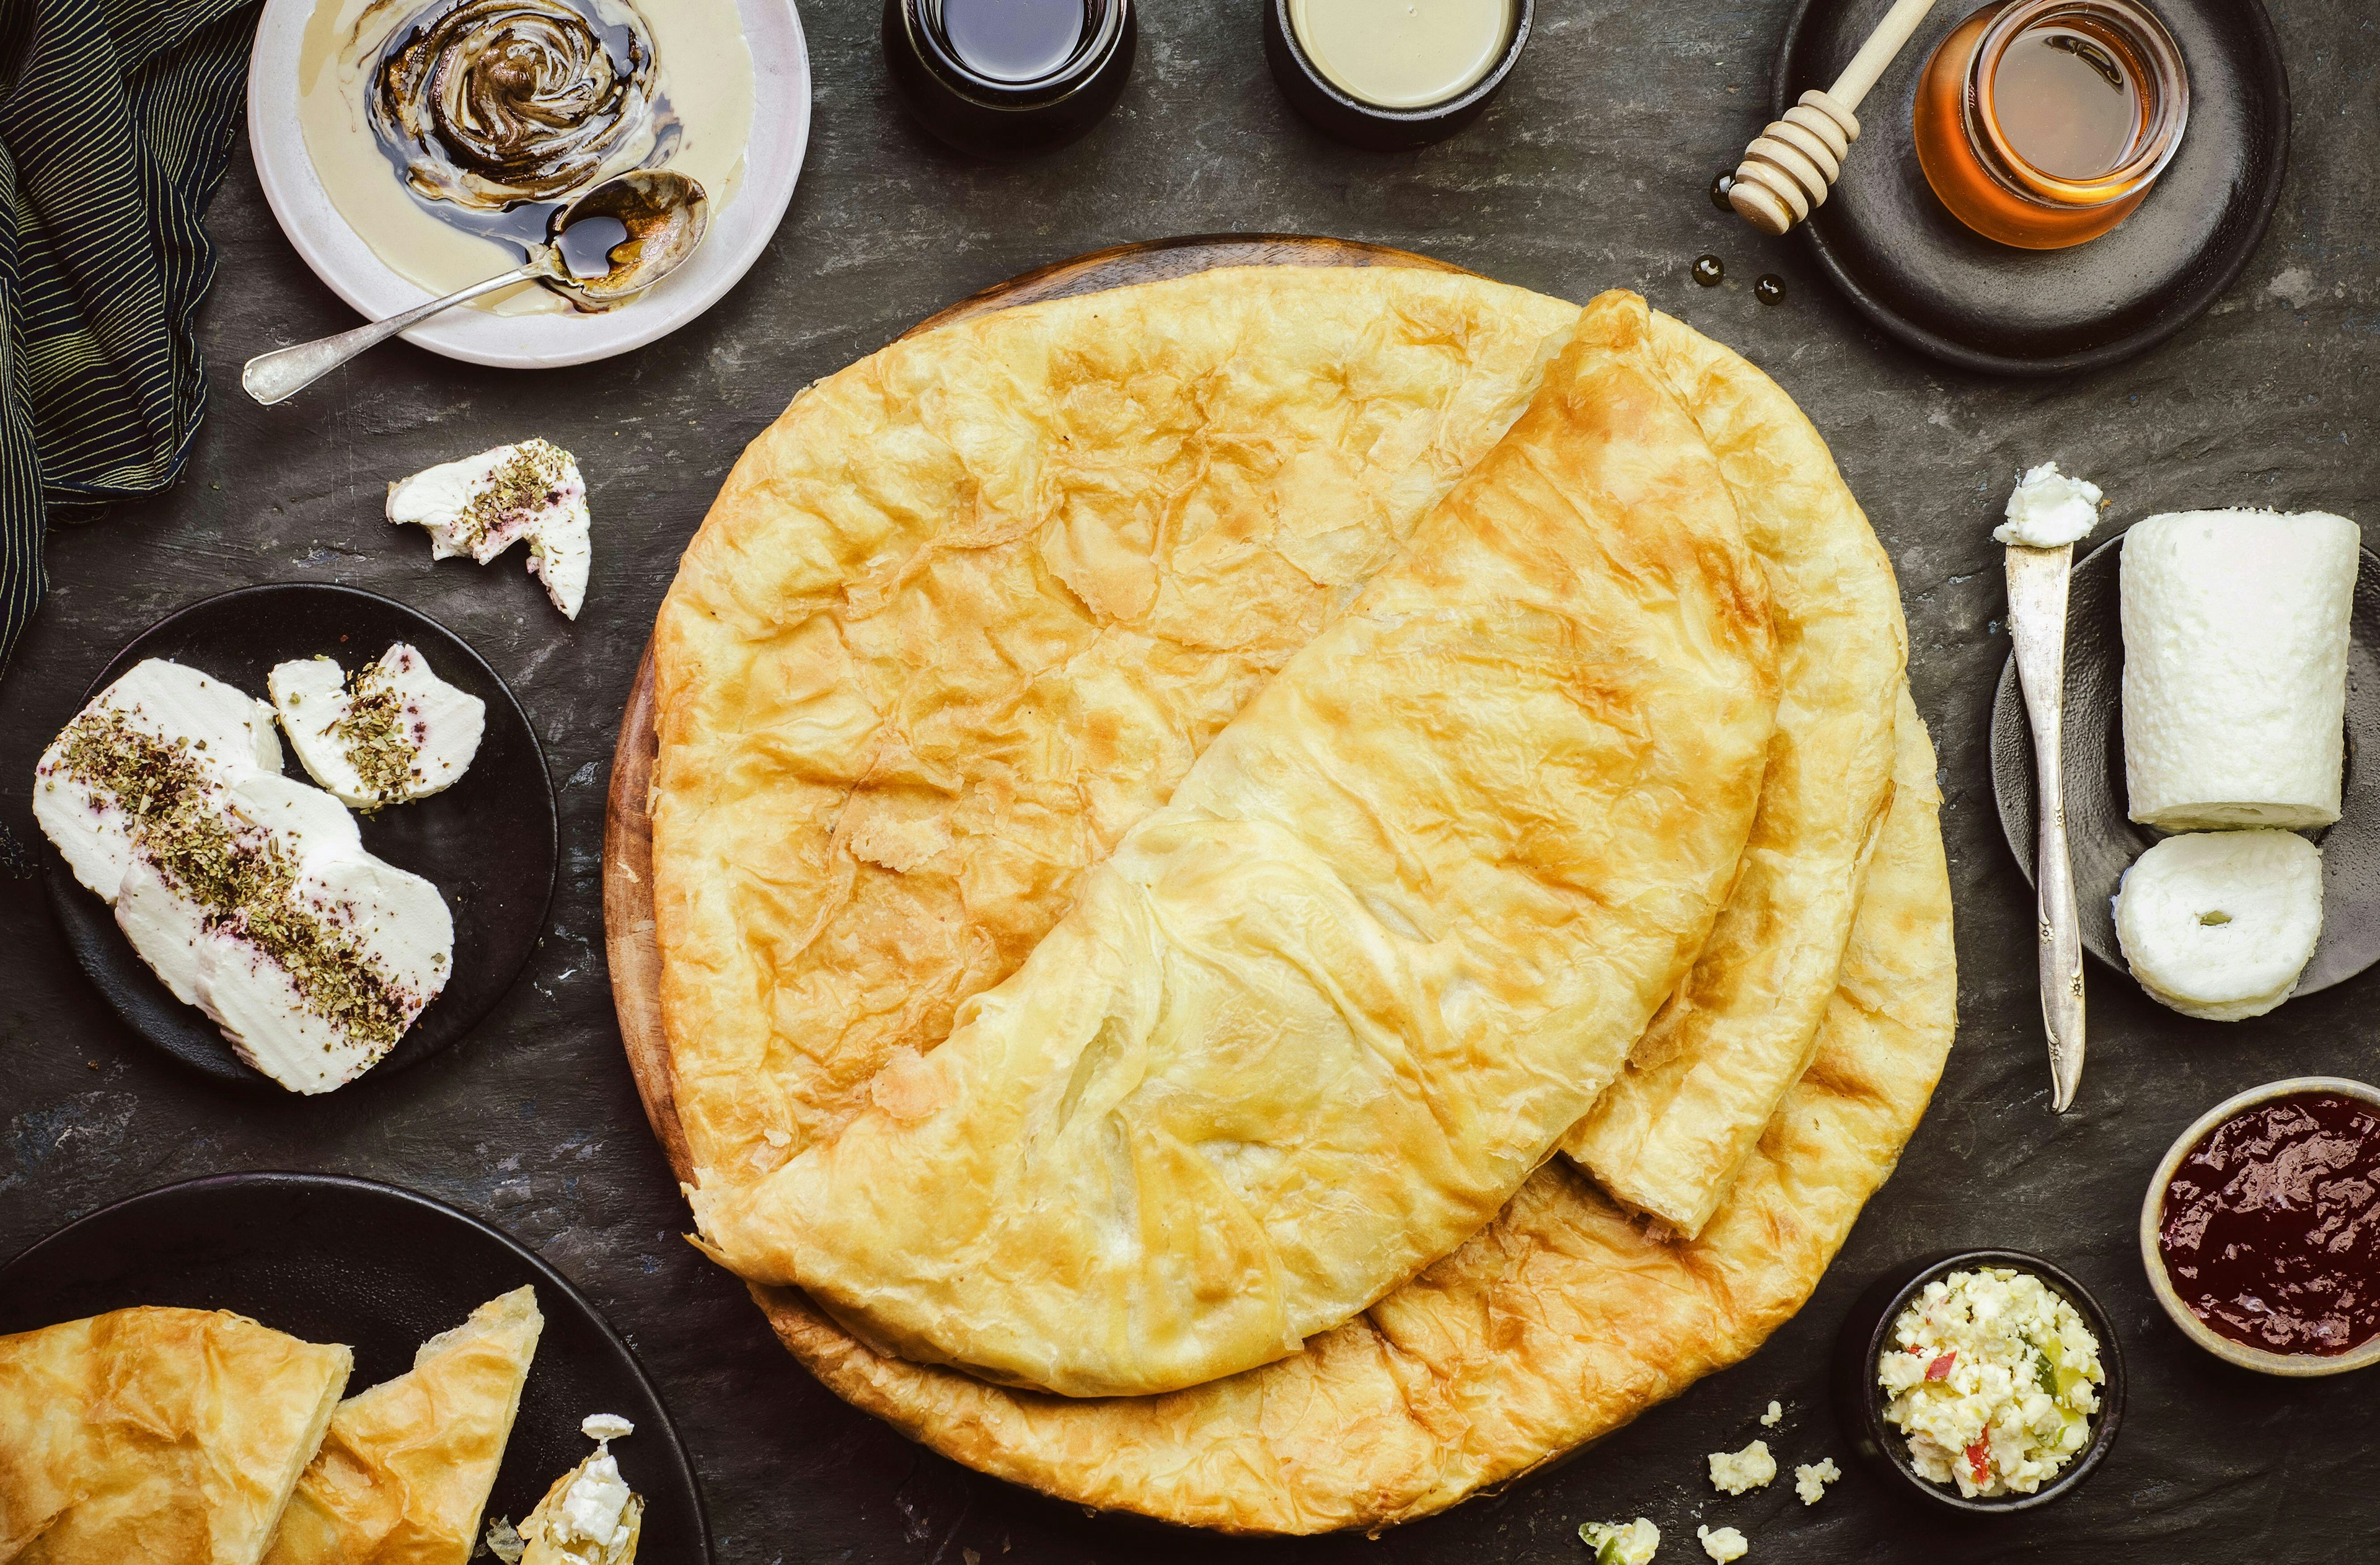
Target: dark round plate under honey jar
{"x":1921,"y":275}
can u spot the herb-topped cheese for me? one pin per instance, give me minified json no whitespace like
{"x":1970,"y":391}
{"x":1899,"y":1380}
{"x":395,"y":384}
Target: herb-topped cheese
{"x":250,"y":894}
{"x":393,"y":731}
{"x":482,"y":505}
{"x":1993,"y":1377}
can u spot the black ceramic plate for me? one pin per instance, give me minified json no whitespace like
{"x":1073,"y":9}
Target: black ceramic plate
{"x":488,"y":843}
{"x":1917,"y":272}
{"x":2104,"y":841}
{"x":346,"y":1260}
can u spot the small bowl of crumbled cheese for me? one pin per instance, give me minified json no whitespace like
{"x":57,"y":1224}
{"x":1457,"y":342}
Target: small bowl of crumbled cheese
{"x":1986,"y":1380}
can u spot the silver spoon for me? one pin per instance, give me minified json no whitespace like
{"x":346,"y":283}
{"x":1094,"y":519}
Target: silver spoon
{"x":2036,"y":587}
{"x":665,"y":214}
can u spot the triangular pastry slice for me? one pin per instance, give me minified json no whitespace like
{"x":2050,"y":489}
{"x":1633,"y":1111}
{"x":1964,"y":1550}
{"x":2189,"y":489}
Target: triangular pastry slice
{"x":156,"y":1437}
{"x":405,"y":1469}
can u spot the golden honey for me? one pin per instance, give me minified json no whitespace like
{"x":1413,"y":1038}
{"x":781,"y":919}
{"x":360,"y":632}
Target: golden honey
{"x":2043,"y":124}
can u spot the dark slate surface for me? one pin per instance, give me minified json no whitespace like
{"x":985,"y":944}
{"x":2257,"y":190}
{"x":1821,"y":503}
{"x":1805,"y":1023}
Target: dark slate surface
{"x":1589,"y":172}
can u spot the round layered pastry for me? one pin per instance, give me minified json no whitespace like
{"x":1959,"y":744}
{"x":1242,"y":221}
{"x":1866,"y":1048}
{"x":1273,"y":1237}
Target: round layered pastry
{"x":449,"y":133}
{"x":1275,"y":896}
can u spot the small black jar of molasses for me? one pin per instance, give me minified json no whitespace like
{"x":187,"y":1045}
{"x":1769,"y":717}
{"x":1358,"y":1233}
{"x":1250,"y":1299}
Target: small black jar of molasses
{"x":1009,"y":78}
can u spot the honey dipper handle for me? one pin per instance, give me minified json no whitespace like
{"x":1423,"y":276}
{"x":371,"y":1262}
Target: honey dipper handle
{"x":1878,"y":52}
{"x":1790,"y":166}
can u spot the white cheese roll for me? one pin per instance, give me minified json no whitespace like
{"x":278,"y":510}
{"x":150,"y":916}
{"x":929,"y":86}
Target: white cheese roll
{"x":2219,"y":924}
{"x":2235,"y":667}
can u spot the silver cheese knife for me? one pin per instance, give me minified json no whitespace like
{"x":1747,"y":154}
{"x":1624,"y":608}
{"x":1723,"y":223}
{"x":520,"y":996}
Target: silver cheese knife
{"x":2037,"y":589}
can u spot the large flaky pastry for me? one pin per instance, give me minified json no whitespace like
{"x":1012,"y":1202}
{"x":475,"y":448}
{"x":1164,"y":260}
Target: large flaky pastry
{"x":405,"y":1467}
{"x":1670,"y":1133}
{"x":966,"y":613}
{"x":156,"y":1437}
{"x":1313,"y":1022}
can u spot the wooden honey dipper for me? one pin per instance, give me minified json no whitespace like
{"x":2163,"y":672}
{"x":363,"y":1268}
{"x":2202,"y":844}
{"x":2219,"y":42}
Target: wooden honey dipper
{"x":1789,"y":166}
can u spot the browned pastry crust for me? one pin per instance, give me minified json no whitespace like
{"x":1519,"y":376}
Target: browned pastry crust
{"x":1670,"y":1135}
{"x":850,"y":758}
{"x":405,"y":1467}
{"x":156,"y":1437}
{"x":1314,"y":1020}
{"x":1558,"y":1323}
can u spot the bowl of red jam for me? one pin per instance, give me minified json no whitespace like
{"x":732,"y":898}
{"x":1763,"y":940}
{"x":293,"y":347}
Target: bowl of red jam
{"x":2261,"y":1231}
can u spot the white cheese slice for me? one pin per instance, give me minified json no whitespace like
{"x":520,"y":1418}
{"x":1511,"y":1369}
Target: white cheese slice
{"x":2235,"y":667}
{"x":249,"y":892}
{"x":223,"y":733}
{"x":481,"y":506}
{"x":2219,"y":925}
{"x":394,"y":732}
{"x":404,"y":930}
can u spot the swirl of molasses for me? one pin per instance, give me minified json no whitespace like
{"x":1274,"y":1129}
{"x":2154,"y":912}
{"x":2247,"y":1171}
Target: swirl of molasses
{"x":495,"y":102}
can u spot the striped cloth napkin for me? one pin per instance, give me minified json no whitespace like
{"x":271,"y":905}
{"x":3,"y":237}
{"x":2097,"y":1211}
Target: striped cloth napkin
{"x":116,"y":123}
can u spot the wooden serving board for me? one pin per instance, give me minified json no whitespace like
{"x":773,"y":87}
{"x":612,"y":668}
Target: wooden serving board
{"x":629,"y":941}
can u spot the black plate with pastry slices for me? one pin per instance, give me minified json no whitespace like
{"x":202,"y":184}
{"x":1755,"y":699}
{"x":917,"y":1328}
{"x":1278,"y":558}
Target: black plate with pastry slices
{"x":489,"y":844}
{"x":334,"y":1259}
{"x":2103,"y":840}
{"x":1921,"y":275}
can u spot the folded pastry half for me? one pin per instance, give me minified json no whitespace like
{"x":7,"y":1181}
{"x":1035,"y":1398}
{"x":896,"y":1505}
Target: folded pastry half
{"x":1313,"y":1023}
{"x":405,"y":1467}
{"x":156,"y":1437}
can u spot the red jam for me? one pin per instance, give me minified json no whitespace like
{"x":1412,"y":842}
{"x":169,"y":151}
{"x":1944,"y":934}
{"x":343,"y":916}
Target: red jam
{"x":2271,"y":1226}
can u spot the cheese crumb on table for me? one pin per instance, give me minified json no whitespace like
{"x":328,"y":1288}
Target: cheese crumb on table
{"x":1750,"y":1468}
{"x":1810,"y":1479}
{"x":1621,"y":1542}
{"x":1722,"y":1544}
{"x":1776,"y":1411}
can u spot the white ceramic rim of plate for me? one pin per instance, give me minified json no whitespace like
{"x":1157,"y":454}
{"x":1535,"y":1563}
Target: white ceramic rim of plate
{"x":773,"y":164}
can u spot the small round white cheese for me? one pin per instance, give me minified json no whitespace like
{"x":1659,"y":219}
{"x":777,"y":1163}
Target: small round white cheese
{"x":2220,"y":924}
{"x":2049,"y":509}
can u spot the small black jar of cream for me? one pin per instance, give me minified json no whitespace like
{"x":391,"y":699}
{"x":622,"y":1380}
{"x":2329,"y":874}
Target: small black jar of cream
{"x":1009,"y":78}
{"x":1392,"y":74}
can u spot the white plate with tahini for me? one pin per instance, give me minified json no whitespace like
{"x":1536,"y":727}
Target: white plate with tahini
{"x":348,"y":266}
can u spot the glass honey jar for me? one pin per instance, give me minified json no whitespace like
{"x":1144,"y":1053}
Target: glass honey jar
{"x":2042,"y":124}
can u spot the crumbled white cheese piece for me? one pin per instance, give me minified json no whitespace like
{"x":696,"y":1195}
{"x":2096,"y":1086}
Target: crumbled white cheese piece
{"x":591,"y":1507}
{"x":1750,"y":1468}
{"x":248,"y":893}
{"x":2049,"y":509}
{"x":1722,"y":1544}
{"x":481,"y":506}
{"x":606,"y":1426}
{"x":1993,"y":1377}
{"x":394,"y":732}
{"x":1621,"y":1542}
{"x":1776,"y":1411}
{"x":1810,"y":1479}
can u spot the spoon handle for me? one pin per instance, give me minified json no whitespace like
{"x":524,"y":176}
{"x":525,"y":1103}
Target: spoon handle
{"x":2037,"y":588}
{"x":281,"y":374}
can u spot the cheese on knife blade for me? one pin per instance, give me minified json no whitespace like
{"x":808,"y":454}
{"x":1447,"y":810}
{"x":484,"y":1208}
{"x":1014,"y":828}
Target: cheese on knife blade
{"x":248,"y":893}
{"x":1314,"y":1020}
